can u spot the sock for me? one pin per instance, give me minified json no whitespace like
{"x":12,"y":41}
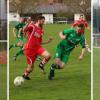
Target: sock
{"x":13,"y":45}
{"x":20,"y":52}
{"x":43,"y":62}
{"x":21,"y":47}
{"x":26,"y":73}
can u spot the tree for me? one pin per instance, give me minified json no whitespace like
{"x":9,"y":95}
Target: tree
{"x":82,"y":6}
{"x":21,"y":5}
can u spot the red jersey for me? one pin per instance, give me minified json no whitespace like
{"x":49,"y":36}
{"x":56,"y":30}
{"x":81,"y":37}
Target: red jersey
{"x":34,"y":37}
{"x":81,"y":23}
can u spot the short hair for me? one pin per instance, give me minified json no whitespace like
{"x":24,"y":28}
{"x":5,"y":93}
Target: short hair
{"x":81,"y":15}
{"x":40,"y":18}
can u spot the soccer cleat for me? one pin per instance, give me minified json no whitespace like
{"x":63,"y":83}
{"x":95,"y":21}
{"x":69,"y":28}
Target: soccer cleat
{"x":15,"y":58}
{"x":26,"y":77}
{"x":51,"y":74}
{"x":10,"y":47}
{"x":41,"y":66}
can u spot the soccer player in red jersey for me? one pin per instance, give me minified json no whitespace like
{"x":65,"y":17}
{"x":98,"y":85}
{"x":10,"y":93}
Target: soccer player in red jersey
{"x":33,"y":46}
{"x":83,"y":23}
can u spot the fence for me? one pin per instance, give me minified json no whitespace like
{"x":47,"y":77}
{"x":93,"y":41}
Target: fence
{"x":62,"y":20}
{"x":96,"y":40}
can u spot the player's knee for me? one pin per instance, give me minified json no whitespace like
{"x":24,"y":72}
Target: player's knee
{"x":57,"y":61}
{"x":62,"y":65}
{"x":48,"y":56}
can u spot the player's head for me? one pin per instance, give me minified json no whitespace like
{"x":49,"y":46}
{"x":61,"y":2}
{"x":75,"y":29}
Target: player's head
{"x":29,"y":19}
{"x":40,"y":20}
{"x":21,"y":19}
{"x":81,"y":16}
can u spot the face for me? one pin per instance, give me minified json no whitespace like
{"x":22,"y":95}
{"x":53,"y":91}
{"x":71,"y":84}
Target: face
{"x":29,"y":20}
{"x":21,"y":20}
{"x":41,"y":22}
{"x":81,"y":17}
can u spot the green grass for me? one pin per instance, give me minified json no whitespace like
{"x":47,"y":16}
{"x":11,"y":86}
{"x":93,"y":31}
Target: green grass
{"x":3,"y":82}
{"x":71,"y":83}
{"x":96,"y":71}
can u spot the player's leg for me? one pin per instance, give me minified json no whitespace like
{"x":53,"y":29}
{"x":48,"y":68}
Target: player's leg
{"x":28,"y":70}
{"x":12,"y":46}
{"x":58,"y":64}
{"x":46,"y":57}
{"x":30,"y":56}
{"x":60,"y":59}
{"x":20,"y":52}
{"x":87,"y":46}
{"x":15,"y":44}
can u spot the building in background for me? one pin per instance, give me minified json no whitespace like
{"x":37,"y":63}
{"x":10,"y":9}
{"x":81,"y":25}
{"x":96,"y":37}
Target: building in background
{"x":60,"y":11}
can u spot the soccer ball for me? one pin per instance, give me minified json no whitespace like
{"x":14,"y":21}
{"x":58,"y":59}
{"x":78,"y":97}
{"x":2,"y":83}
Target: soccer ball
{"x":18,"y":81}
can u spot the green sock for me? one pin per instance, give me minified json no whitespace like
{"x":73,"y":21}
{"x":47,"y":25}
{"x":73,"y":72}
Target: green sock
{"x":20,"y":52}
{"x":13,"y":45}
{"x":21,"y":47}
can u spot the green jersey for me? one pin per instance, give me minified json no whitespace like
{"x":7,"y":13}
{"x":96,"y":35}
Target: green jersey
{"x":17,"y":27}
{"x":68,"y":44}
{"x":71,"y":40}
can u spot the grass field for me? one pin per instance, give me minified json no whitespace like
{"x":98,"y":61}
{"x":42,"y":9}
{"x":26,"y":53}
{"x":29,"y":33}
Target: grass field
{"x":71,"y":83}
{"x":3,"y":82}
{"x":96,"y":74}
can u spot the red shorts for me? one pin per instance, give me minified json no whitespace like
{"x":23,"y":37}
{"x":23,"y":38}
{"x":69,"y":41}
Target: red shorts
{"x":32,"y":54}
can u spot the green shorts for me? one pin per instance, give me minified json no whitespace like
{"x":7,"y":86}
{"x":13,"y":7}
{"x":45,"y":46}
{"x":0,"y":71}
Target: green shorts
{"x":62,"y":55}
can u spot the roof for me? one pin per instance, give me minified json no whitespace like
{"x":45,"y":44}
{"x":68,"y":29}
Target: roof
{"x":54,"y":8}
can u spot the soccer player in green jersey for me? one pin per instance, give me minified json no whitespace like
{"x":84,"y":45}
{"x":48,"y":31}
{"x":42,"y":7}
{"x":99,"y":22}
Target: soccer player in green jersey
{"x":70,"y":38}
{"x":19,"y":34}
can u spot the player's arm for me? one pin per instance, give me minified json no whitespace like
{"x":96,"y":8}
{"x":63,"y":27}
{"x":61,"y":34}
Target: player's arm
{"x":62,"y":36}
{"x":86,"y":25}
{"x":74,"y":24}
{"x":14,"y":32}
{"x":83,"y":48}
{"x":19,"y":33}
{"x":48,"y":41}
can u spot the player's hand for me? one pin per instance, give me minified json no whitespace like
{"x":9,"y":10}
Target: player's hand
{"x":80,"y":57}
